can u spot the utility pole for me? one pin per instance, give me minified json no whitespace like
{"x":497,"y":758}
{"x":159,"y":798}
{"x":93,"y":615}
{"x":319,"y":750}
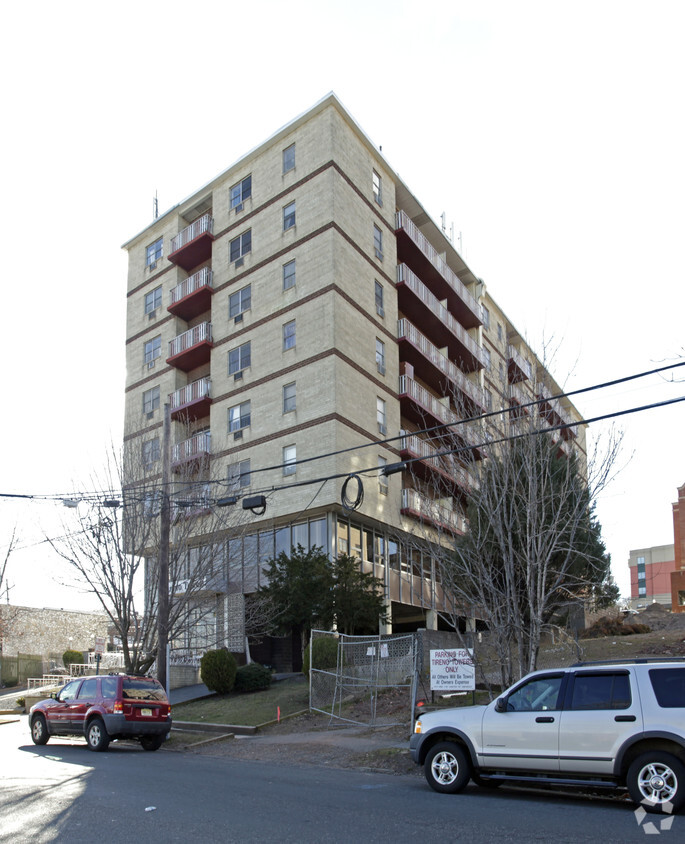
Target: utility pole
{"x":163,"y":582}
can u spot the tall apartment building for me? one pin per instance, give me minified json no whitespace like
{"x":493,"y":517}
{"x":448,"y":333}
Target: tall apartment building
{"x":651,"y":571}
{"x":307,"y":317}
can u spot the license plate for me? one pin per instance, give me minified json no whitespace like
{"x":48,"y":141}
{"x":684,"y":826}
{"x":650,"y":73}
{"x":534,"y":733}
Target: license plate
{"x":147,"y":713}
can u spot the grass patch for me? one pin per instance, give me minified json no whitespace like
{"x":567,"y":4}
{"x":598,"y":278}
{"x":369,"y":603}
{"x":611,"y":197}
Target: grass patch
{"x":249,"y":709}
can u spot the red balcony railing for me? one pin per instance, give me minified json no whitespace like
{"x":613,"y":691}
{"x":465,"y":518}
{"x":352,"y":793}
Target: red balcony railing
{"x":418,"y":350}
{"x":553,"y":412}
{"x":193,"y":244}
{"x":428,"y":460}
{"x":192,"y":401}
{"x":193,"y":295}
{"x":519,"y":368}
{"x":192,"y":348}
{"x":436,"y":320}
{"x":429,"y":510}
{"x":415,"y":249}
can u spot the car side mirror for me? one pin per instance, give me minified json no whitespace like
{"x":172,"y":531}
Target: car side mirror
{"x":54,"y":695}
{"x":501,"y":704}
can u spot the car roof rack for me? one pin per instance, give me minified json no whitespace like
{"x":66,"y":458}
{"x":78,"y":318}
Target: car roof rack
{"x":630,"y":660}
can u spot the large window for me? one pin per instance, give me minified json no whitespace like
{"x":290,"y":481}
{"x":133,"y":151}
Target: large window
{"x":380,"y":356}
{"x":289,"y":458}
{"x":601,"y":691}
{"x":151,"y":400}
{"x":382,"y":479}
{"x":153,"y":350}
{"x":289,"y":158}
{"x":289,"y":216}
{"x":536,"y":695}
{"x":380,"y":416}
{"x":289,"y":275}
{"x":289,"y":398}
{"x":239,"y":302}
{"x":486,"y":358}
{"x":289,"y":335}
{"x":377,"y":188}
{"x":154,"y":252}
{"x":151,"y":452}
{"x":378,"y":242}
{"x":239,"y":416}
{"x":153,"y":300}
{"x":239,"y":359}
{"x":240,"y":245}
{"x":378,"y":293}
{"x":241,"y":192}
{"x":239,"y":475}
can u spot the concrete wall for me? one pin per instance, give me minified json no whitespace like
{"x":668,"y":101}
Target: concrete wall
{"x":31,"y":630}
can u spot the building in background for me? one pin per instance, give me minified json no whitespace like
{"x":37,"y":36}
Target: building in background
{"x":678,"y":576}
{"x":307,"y":320}
{"x":650,"y":576}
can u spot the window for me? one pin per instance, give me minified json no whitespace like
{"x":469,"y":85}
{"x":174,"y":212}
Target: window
{"x":289,"y":335}
{"x":151,"y":452}
{"x":289,"y":459}
{"x":239,"y":359}
{"x":288,"y":275}
{"x":289,"y":216}
{"x":240,"y":246}
{"x":153,"y":300}
{"x":151,"y":400}
{"x":241,"y":192}
{"x":239,"y":475}
{"x":486,"y":316}
{"x":382,"y":479}
{"x":153,"y":350}
{"x":378,"y":242}
{"x":289,"y":398}
{"x":239,"y":302}
{"x":536,"y":695}
{"x":380,"y":356}
{"x":289,"y":158}
{"x":486,"y":358}
{"x":88,"y":688}
{"x":377,"y":190}
{"x":154,"y":252}
{"x":501,"y":371}
{"x":380,"y":416}
{"x":108,"y":687}
{"x":378,"y":292}
{"x":239,"y":416}
{"x":488,"y":399}
{"x":500,"y":332}
{"x":601,"y":691}
{"x":669,"y":686}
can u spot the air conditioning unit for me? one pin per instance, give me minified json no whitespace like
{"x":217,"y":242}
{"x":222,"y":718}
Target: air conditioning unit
{"x":238,"y":435}
{"x":150,"y":415}
{"x":239,"y":263}
{"x":152,"y":315}
{"x":382,"y":429}
{"x":238,"y":376}
{"x":239,"y":318}
{"x":238,"y":207}
{"x":381,"y":368}
{"x":153,"y":266}
{"x":379,"y":254}
{"x":380,"y":311}
{"x":150,"y":364}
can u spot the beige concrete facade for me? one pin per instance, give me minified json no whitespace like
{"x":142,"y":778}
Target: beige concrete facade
{"x":363,"y":275}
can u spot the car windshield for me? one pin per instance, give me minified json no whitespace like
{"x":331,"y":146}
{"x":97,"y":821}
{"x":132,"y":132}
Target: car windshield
{"x":142,"y":689}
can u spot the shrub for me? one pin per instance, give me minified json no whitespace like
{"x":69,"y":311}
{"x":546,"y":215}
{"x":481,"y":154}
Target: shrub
{"x":218,"y":670}
{"x":325,"y":654}
{"x":252,"y":678}
{"x":607,"y":626}
{"x":21,"y":701}
{"x":70,"y":657}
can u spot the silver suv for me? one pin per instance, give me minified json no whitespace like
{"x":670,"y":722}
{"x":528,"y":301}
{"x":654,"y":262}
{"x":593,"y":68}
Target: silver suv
{"x":599,"y":725}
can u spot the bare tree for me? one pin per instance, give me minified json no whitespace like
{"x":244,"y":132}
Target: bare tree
{"x":6,"y":612}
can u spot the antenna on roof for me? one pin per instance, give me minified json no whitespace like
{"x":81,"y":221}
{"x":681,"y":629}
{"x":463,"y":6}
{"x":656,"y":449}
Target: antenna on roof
{"x":155,"y":207}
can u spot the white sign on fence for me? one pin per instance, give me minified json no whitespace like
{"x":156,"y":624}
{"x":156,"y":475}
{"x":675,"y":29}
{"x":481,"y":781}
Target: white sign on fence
{"x":453,"y":670}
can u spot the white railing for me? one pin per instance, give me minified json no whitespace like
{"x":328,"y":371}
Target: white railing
{"x":47,"y":681}
{"x":523,"y":364}
{"x":428,"y":402}
{"x":447,"y":463}
{"x":196,"y":446}
{"x":80,"y":669}
{"x":403,"y":221}
{"x":517,"y":394}
{"x":194,"y":391}
{"x":196,"y":281}
{"x":111,"y":659}
{"x":414,"y":283}
{"x":406,"y":330}
{"x":203,"y":225}
{"x":200,"y":333}
{"x":433,"y":510}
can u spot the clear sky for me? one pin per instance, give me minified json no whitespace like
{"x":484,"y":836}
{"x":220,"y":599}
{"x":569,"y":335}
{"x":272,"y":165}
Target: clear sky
{"x":550,"y":134}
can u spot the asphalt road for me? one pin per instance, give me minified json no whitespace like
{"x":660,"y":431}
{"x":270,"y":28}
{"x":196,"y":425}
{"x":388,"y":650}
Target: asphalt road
{"x":63,"y":792}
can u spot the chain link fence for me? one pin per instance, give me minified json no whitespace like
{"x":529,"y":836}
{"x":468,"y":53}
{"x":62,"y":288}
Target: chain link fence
{"x":362,"y":679}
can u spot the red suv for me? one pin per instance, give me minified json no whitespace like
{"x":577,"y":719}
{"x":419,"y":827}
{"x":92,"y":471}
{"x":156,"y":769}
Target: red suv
{"x":111,"y":706}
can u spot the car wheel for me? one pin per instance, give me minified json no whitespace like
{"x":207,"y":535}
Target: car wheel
{"x":39,"y":730}
{"x":656,"y":781}
{"x":96,"y":735}
{"x":447,"y":767}
{"x":152,"y":742}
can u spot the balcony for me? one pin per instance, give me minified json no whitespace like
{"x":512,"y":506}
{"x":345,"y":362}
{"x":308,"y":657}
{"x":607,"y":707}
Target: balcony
{"x":426,"y":464}
{"x":552,"y":411}
{"x":193,"y":296}
{"x":519,"y":400}
{"x":437,"y":370}
{"x":193,"y":245}
{"x":427,"y":411}
{"x":416,"y":299}
{"x":192,"y":401}
{"x":427,"y":510}
{"x":414,"y":249}
{"x":518,"y":367}
{"x":191,"y":453}
{"x":192,"y":348}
